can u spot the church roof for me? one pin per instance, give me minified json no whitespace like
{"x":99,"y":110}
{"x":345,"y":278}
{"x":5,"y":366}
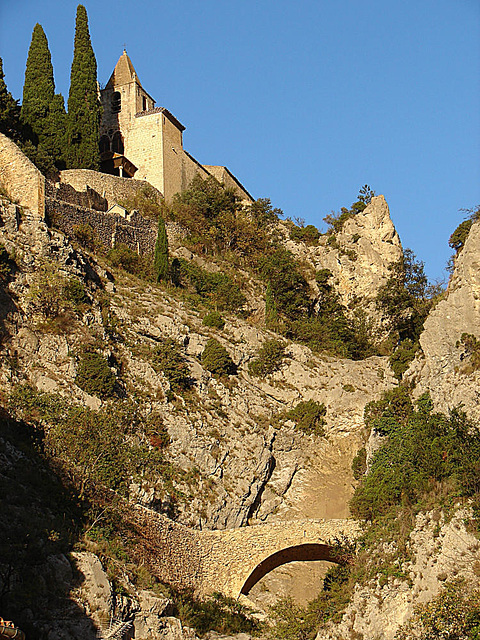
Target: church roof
{"x":124,"y":72}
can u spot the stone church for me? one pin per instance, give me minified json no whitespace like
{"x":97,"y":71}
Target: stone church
{"x":138,"y":139}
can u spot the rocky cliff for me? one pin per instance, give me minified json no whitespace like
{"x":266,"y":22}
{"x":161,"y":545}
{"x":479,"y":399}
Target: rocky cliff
{"x":445,"y":368}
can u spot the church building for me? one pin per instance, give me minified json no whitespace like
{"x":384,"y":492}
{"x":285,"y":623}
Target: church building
{"x":138,"y":139}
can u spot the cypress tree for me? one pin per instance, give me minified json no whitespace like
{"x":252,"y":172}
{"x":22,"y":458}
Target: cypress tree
{"x":9,"y":110}
{"x":83,"y":102}
{"x":54,"y":139}
{"x":39,"y":87}
{"x":43,"y":113}
{"x":160,"y":262}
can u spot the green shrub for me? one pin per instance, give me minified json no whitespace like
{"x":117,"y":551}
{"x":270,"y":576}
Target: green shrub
{"x":270,"y":357}
{"x":215,"y":613}
{"x":6,"y":265}
{"x":215,"y":358}
{"x":422,"y":448}
{"x":472,"y":351}
{"x":156,"y":432}
{"x":94,"y":375}
{"x":403,"y":356}
{"x":217,"y":289}
{"x":359,"y":464}
{"x":85,"y":236}
{"x":122,"y":256}
{"x":168,"y":358}
{"x":308,"y":234}
{"x":96,"y":448}
{"x":46,"y":295}
{"x":146,"y":201}
{"x":75,"y":292}
{"x":213,"y":319}
{"x":309,"y":417}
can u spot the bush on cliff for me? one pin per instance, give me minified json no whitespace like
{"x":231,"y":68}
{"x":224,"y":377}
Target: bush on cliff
{"x":269,"y":359}
{"x":309,"y":417}
{"x":94,"y":375}
{"x":168,"y":358}
{"x":216,"y":359}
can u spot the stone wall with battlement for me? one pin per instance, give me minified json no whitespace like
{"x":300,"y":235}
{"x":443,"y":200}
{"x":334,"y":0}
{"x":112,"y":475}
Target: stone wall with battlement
{"x":112,"y":188}
{"x":21,"y":179}
{"x":232,"y":560}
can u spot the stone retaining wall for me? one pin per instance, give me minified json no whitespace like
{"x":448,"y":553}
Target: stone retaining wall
{"x":138,"y":233}
{"x":21,"y":179}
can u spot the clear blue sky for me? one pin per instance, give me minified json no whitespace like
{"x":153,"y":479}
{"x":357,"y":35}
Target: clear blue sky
{"x":304,"y":101}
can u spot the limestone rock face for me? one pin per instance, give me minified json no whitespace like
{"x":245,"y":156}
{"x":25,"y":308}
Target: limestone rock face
{"x":367,"y":244}
{"x":443,"y":369}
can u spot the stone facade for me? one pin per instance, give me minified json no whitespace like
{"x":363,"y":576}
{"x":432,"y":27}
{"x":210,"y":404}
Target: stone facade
{"x":21,"y":179}
{"x":151,"y":137}
{"x":233,"y":560}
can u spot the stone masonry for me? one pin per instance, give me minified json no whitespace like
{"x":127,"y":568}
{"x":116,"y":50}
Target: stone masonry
{"x":21,"y":179}
{"x":233,"y":560}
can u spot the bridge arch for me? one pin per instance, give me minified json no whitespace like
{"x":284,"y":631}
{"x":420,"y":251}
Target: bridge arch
{"x":296,"y":553}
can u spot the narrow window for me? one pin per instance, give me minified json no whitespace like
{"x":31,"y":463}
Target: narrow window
{"x":117,"y":143}
{"x":116,"y":102}
{"x":144,"y":103}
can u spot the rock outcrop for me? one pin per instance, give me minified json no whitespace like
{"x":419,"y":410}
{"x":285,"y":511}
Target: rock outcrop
{"x":360,"y":256}
{"x":443,"y":368}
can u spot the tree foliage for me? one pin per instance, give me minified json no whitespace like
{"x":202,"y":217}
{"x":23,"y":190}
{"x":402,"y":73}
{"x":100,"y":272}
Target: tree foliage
{"x":453,"y":614}
{"x":9,"y":110}
{"x":404,"y":298}
{"x":309,"y":417}
{"x":459,"y":236}
{"x":217,"y":220}
{"x":168,"y":358}
{"x":337,"y":220}
{"x":269,"y":359}
{"x":83,"y":103}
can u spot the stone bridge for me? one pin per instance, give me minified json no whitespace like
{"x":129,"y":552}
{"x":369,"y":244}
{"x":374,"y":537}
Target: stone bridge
{"x":232,"y":561}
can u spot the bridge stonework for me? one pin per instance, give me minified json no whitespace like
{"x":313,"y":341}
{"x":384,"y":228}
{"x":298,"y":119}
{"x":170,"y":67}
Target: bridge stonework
{"x":231,"y":561}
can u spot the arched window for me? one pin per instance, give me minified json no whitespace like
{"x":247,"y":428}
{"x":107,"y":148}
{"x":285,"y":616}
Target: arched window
{"x":117,"y":143}
{"x":104,"y":144}
{"x":116,"y":102}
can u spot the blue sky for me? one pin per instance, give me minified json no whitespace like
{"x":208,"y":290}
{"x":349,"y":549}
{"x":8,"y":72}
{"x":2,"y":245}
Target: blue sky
{"x":304,"y":101}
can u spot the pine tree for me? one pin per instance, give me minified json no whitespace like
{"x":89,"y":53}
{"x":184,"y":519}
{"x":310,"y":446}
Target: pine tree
{"x":83,"y":103}
{"x":9,"y":110}
{"x":160,"y":262}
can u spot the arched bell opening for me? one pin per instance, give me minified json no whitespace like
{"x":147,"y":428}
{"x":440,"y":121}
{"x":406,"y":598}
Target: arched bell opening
{"x":298,"y":553}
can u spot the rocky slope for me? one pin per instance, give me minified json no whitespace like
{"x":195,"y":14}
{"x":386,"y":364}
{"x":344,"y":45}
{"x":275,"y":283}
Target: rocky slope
{"x":245,"y":463}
